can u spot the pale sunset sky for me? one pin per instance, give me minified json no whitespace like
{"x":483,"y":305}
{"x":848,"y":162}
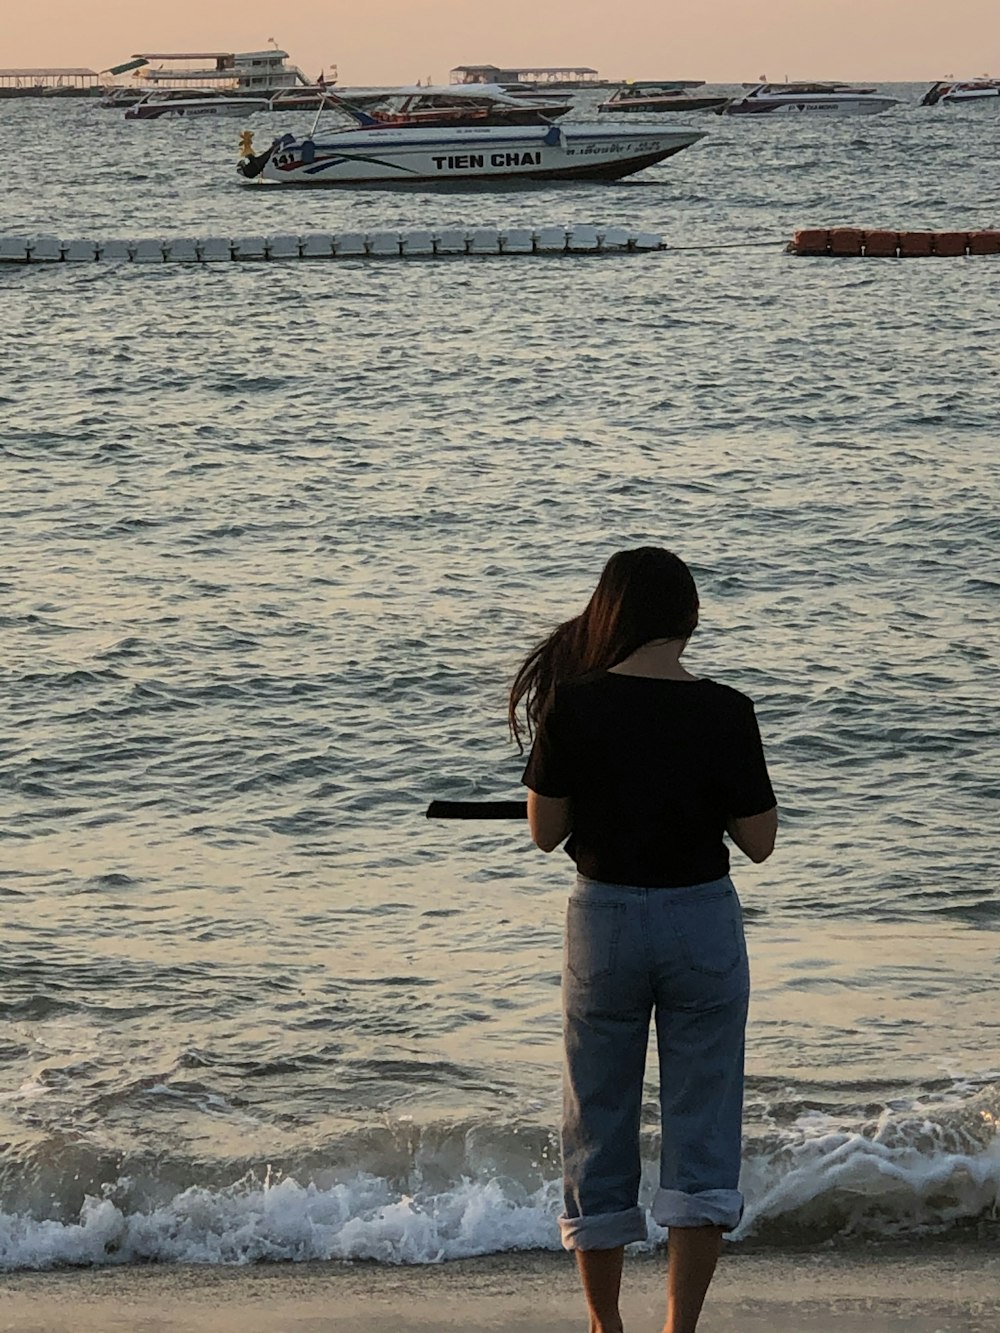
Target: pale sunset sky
{"x":400,"y":41}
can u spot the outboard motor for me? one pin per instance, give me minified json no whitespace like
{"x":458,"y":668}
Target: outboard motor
{"x":934,"y":95}
{"x":254,"y":163}
{"x":251,"y":164}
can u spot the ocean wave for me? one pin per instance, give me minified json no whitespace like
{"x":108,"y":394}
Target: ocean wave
{"x":463,"y":1191}
{"x":904,"y":1173}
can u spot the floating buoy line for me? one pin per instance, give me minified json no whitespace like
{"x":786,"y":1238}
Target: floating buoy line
{"x":451,"y":242}
{"x":847,"y":242}
{"x":429,"y":243}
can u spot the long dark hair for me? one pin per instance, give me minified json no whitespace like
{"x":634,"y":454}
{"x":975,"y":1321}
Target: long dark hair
{"x":647,"y":593}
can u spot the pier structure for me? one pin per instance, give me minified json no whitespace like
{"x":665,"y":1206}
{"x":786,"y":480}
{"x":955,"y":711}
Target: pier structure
{"x":49,"y":83}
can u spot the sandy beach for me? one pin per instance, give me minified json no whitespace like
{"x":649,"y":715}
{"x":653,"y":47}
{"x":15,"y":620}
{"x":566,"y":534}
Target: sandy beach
{"x":946,"y":1289}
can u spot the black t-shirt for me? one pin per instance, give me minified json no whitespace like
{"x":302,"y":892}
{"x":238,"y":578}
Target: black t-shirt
{"x":655,"y":769}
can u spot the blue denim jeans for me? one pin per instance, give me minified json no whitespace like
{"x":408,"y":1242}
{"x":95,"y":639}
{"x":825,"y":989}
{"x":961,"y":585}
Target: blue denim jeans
{"x":631,"y":953}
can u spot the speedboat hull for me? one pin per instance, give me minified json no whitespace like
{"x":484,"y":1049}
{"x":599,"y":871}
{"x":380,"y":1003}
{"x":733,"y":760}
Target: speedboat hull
{"x":209,"y":106}
{"x":978,"y":97}
{"x":658,"y":104}
{"x":795,"y":102}
{"x":495,"y":155}
{"x":973,"y":92}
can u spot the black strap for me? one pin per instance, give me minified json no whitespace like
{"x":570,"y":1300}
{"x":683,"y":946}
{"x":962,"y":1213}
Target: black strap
{"x":477,"y":810}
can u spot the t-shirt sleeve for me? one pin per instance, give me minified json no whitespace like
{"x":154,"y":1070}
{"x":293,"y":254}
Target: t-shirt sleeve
{"x":548,"y":767}
{"x":748,"y":786}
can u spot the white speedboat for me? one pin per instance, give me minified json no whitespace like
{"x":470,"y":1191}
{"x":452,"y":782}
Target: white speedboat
{"x":120,"y":98}
{"x":646,"y":95}
{"x":795,"y":98}
{"x":500,"y":155}
{"x":973,"y":92}
{"x":193,"y":102}
{"x":460,"y":104}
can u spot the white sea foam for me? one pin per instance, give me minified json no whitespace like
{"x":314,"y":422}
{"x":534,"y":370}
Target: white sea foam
{"x":900,"y":1176}
{"x":904,"y":1177}
{"x":359,"y":1219}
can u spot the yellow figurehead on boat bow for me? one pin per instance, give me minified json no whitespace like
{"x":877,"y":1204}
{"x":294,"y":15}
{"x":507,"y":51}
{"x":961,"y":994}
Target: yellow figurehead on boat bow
{"x":246,"y":143}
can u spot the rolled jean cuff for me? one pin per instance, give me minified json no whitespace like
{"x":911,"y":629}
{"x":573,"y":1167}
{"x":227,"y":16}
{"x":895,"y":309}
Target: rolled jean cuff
{"x":603,"y":1231}
{"x":708,"y":1208}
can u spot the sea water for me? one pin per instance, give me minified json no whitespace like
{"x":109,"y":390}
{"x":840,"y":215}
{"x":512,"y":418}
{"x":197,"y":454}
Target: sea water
{"x":274,"y":539}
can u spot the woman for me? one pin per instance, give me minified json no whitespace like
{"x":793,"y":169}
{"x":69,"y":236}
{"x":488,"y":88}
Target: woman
{"x":646,"y":767}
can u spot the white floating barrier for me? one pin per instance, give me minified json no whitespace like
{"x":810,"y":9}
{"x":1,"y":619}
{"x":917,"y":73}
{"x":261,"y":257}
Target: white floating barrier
{"x":148,"y":252}
{"x":79,"y":252}
{"x":14,"y":249}
{"x":550,"y":240}
{"x":283,"y":247}
{"x":484,"y":241}
{"x":647,"y":240}
{"x":417,"y":243}
{"x":250,"y":247}
{"x":581,"y":238}
{"x":383,"y":243}
{"x":45,"y":249}
{"x":349,"y":243}
{"x":114,"y":250}
{"x":517,"y":241}
{"x":450,"y":241}
{"x":615,"y":238}
{"x":317,"y":245}
{"x":215,"y":249}
{"x":181,"y":250}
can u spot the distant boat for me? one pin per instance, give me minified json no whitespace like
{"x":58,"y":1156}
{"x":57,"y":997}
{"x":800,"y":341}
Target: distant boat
{"x":651,"y":96}
{"x":972,"y":92}
{"x":194,"y":102}
{"x":796,"y":98}
{"x":117,"y":98}
{"x":303,"y":99}
{"x":544,"y":78}
{"x":493,"y":155}
{"x":458,"y":105}
{"x":240,"y":73}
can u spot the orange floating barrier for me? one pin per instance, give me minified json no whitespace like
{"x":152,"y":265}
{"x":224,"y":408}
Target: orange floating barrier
{"x":846,"y":240}
{"x":882,"y":244}
{"x":811,"y":242}
{"x":916,"y":244}
{"x":951,"y":243}
{"x":885,"y":244}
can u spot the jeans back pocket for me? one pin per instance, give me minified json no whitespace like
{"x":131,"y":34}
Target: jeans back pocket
{"x":593,"y":930}
{"x":710,"y":931}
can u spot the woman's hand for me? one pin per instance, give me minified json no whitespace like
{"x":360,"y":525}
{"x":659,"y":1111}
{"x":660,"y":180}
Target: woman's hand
{"x":550,"y":820}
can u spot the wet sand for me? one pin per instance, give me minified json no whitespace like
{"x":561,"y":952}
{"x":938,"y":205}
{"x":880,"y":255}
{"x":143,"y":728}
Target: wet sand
{"x":937,"y":1289}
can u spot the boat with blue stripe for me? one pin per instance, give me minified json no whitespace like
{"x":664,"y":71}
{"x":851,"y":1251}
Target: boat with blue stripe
{"x":502,"y":155}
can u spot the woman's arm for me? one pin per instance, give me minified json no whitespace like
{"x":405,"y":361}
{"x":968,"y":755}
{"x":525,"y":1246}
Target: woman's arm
{"x":754,"y":835}
{"x":550,"y":820}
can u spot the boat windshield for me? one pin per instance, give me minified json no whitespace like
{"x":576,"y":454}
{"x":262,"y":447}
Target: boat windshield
{"x":631,"y":91}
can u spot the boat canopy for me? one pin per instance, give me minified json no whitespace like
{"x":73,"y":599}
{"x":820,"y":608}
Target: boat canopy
{"x":184,"y":55}
{"x":459,"y":92}
{"x":641,"y":85}
{"x":136,"y":62}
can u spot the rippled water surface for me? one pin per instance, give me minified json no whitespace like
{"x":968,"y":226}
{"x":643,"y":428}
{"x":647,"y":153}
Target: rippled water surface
{"x":273,"y":538}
